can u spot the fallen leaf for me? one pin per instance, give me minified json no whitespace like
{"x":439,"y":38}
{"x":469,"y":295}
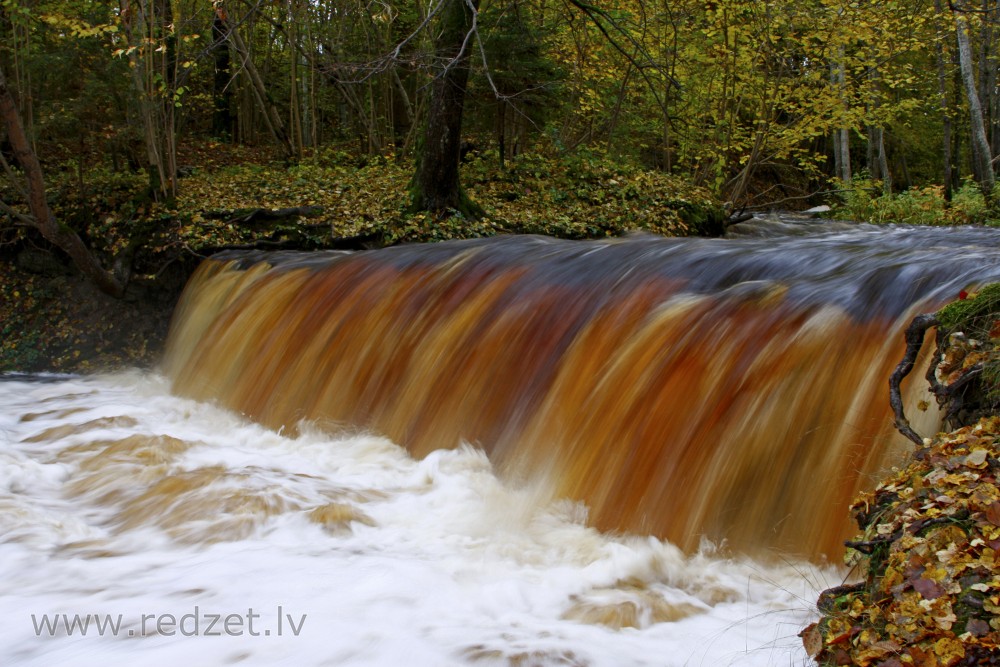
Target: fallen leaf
{"x":948,"y":650}
{"x":928,"y":589}
{"x":977,"y":627}
{"x":992,"y":513}
{"x":977,"y":459}
{"x":812,"y":640}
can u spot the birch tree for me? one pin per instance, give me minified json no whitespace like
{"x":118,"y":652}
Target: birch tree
{"x":982,"y":158}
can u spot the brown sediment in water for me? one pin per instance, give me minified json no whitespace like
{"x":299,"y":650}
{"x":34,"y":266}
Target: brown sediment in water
{"x":750,"y":417}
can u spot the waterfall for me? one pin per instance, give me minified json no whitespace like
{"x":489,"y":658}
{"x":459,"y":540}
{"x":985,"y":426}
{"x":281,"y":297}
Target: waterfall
{"x":729,"y":390}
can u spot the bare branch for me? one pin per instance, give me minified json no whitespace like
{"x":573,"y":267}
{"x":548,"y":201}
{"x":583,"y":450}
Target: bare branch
{"x":914,"y":341}
{"x":14,"y":180}
{"x":24,"y":219}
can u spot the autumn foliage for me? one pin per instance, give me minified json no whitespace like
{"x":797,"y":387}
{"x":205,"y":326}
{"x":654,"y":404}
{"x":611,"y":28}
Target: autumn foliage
{"x":930,"y":543}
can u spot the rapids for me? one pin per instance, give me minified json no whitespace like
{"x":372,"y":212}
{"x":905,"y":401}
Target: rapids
{"x":503,"y":452}
{"x":155,"y":519}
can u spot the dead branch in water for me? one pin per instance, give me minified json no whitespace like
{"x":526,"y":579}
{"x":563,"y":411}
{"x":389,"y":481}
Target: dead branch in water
{"x":914,"y":341}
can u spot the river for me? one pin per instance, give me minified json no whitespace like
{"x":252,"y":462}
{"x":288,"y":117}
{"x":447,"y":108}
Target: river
{"x":208,"y":513}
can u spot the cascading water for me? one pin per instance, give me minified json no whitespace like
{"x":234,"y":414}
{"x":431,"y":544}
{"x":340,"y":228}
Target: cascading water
{"x":681,"y":388}
{"x":659,"y":390}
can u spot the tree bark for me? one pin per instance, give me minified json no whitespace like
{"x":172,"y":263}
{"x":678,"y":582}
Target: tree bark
{"x":992,"y":101}
{"x":222,"y":118}
{"x":143,"y":28}
{"x":842,"y":136}
{"x":436,"y":186}
{"x":41,"y":215}
{"x":168,"y":102}
{"x":294,"y":113}
{"x":946,"y":157}
{"x":882,"y":160}
{"x":271,"y":116}
{"x":981,"y":155}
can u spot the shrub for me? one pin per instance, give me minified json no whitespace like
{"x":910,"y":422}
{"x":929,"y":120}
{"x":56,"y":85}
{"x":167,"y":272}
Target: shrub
{"x":864,"y":201}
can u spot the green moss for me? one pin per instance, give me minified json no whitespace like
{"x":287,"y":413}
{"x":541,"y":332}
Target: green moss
{"x":978,"y":318}
{"x":972,"y":316}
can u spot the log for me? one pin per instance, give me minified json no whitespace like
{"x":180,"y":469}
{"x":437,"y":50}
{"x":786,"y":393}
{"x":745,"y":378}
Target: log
{"x":258,"y":215}
{"x":359,"y":242}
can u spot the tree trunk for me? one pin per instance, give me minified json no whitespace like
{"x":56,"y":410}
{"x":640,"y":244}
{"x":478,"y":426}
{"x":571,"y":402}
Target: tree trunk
{"x":844,"y":141}
{"x":294,"y":113}
{"x":501,"y":130}
{"x":271,"y":116}
{"x":41,"y":216}
{"x":144,"y":29}
{"x":138,"y":22}
{"x":842,"y":136}
{"x":878,"y":165}
{"x":985,"y":79}
{"x":946,"y":157}
{"x":436,"y":187}
{"x":980,"y":144}
{"x":992,"y":101}
{"x":878,"y":162}
{"x":168,"y":101}
{"x":222,"y":94}
{"x":881,"y":159}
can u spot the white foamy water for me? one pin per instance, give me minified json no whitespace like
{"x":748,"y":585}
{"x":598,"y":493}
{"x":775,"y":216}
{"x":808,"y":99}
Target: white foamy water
{"x":182,"y":530}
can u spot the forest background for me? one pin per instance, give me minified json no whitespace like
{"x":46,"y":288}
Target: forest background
{"x":142,"y":135}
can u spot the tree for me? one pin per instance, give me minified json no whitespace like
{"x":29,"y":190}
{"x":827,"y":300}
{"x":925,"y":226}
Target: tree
{"x":41,"y":217}
{"x":982,"y":158}
{"x":436,"y":186}
{"x":515,"y":93}
{"x":268,"y":111}
{"x":842,"y":135}
{"x":222,"y":95}
{"x":946,"y":120}
{"x":152,"y":51}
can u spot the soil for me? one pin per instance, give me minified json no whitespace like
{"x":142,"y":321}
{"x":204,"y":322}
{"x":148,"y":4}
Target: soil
{"x":54,"y":320}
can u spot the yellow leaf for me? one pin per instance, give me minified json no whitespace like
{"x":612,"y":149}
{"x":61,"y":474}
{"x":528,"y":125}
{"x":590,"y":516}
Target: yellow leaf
{"x":949,"y":650}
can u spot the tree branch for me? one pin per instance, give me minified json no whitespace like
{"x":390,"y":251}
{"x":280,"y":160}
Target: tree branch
{"x":914,"y":341}
{"x":25,"y":220}
{"x":41,"y":218}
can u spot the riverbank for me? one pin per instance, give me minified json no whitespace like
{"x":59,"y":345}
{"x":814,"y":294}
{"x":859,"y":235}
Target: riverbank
{"x":231,"y":197}
{"x":54,"y":320}
{"x":929,"y":593}
{"x":71,"y":328}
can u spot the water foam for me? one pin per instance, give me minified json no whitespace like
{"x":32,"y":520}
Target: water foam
{"x":119,"y":498}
